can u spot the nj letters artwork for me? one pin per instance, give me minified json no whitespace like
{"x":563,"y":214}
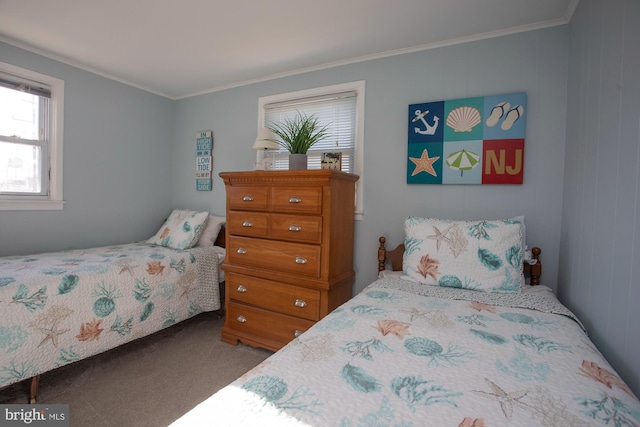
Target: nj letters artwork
{"x":476,"y":140}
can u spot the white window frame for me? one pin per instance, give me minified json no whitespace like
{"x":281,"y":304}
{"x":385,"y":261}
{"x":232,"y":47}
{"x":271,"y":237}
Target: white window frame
{"x":358,"y":87}
{"x":54,"y":199}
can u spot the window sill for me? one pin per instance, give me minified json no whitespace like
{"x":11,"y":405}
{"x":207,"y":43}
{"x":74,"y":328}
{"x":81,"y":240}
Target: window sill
{"x":31,"y":205}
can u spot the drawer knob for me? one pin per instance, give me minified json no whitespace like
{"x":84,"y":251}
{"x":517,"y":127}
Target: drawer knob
{"x":297,"y":333}
{"x":301,"y":260}
{"x":247,"y":198}
{"x":294,"y":227}
{"x":241,"y":251}
{"x":241,"y":288}
{"x":300,"y":303}
{"x":247,"y":223}
{"x":294,"y":199}
{"x":241,"y":319}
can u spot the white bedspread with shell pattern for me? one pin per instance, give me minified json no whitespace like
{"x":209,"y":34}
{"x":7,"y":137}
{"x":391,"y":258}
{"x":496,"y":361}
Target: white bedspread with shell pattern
{"x":400,"y":354}
{"x":59,"y":307}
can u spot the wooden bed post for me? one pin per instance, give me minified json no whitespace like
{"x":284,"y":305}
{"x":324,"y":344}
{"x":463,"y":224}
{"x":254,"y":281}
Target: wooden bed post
{"x":382,"y":254}
{"x":535,"y":270}
{"x":33,"y":390}
{"x":394,"y":256}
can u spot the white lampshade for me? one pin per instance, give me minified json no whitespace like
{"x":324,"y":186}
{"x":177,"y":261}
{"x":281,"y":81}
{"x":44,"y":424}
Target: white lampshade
{"x":262,"y":140}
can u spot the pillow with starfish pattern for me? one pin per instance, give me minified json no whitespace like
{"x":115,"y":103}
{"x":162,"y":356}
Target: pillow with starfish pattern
{"x":181,"y":230}
{"x":477,"y":255}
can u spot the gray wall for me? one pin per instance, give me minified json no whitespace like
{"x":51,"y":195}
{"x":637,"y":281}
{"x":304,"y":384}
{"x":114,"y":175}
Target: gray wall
{"x":117,"y":165}
{"x":534,"y":62}
{"x":600,"y":249}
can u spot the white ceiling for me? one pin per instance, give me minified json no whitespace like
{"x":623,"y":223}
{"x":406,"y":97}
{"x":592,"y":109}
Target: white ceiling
{"x":179,"y":48}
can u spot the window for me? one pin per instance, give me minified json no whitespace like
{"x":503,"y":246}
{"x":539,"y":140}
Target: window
{"x":341,"y":108}
{"x":31,"y":106}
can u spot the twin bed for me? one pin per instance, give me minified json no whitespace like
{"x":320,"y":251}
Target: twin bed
{"x":451,"y":334}
{"x":60,"y":307}
{"x":457,"y":337}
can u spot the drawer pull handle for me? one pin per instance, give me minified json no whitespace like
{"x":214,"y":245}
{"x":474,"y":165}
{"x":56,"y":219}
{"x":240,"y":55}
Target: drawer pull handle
{"x":241,"y":251}
{"x":241,"y":288}
{"x":241,"y":319}
{"x":247,"y":223}
{"x":297,"y":333}
{"x":301,"y":260}
{"x":294,"y":227}
{"x":247,"y":198}
{"x":300,"y":303}
{"x":294,"y":199}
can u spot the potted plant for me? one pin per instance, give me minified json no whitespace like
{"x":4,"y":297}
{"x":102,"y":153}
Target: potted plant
{"x":297,"y":135}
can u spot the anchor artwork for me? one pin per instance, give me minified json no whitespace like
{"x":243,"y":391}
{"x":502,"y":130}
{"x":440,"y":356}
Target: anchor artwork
{"x":477,"y":140}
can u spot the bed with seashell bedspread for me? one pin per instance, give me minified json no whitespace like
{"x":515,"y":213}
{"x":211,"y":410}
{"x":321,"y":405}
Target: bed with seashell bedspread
{"x":60,"y":307}
{"x":404,"y":353}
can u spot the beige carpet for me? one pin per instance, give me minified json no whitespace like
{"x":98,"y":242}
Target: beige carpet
{"x":149,"y":382}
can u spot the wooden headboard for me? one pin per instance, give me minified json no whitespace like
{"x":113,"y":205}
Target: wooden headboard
{"x":394,"y":257}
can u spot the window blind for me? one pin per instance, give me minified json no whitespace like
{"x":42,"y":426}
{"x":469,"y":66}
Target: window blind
{"x":337,"y":111}
{"x":24,"y":85}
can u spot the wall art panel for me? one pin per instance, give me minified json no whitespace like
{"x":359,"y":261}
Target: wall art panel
{"x":477,"y":140}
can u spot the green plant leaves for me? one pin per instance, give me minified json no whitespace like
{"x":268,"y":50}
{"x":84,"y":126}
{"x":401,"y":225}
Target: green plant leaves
{"x":299,"y":134}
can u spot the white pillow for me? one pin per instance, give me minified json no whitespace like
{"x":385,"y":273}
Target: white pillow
{"x":478,"y":255}
{"x":181,"y":230}
{"x":210,"y":234}
{"x":524,"y":231}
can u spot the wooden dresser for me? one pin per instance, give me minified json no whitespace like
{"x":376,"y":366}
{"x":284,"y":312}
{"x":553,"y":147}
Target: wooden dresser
{"x":289,"y":248}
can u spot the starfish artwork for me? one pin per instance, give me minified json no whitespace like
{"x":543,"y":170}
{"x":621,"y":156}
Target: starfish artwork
{"x":51,"y":334}
{"x":439,"y":236}
{"x":424,"y":163}
{"x":506,"y":400}
{"x":127,"y":267}
{"x":48,"y":323}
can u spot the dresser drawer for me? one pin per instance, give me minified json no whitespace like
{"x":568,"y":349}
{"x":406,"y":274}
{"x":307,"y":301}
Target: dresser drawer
{"x":251,"y":224}
{"x":263,"y":323}
{"x":248,"y":198}
{"x":274,"y":296}
{"x":297,"y":258}
{"x":296,"y":199}
{"x":296,"y":228}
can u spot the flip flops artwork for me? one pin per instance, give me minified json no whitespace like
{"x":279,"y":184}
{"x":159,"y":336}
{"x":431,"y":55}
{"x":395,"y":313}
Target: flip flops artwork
{"x":512,"y":115}
{"x":503,"y":109}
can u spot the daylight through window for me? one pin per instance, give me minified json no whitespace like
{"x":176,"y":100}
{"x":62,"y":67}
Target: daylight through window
{"x":340,"y":108}
{"x":30,"y":139}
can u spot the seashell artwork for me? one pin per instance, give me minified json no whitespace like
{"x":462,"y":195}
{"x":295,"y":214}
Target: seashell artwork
{"x":463,"y":119}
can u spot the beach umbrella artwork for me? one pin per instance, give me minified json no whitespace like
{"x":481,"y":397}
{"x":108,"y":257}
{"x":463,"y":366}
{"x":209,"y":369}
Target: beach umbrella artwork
{"x":463,"y":160}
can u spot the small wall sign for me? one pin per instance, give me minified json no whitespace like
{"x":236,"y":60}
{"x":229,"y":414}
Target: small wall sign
{"x":204,"y":160}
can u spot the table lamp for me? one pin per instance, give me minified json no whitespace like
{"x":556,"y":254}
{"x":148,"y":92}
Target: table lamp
{"x":264,"y":141}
